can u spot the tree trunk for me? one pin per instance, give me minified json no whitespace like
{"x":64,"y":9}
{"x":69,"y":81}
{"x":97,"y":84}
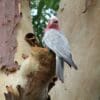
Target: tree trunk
{"x":83,"y":32}
{"x":37,"y":65}
{"x":9,"y":18}
{"x":34,"y":77}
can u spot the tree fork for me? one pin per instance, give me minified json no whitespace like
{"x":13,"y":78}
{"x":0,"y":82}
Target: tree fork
{"x":38,"y":80}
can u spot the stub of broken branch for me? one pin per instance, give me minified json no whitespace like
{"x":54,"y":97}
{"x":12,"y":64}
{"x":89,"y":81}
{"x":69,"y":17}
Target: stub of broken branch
{"x":88,"y":4}
{"x":38,"y":70}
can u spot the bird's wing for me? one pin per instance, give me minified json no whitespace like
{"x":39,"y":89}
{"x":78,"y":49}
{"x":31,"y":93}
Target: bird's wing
{"x":57,"y":42}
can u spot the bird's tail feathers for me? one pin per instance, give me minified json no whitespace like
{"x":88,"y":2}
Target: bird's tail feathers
{"x":60,"y":68}
{"x":71,"y":63}
{"x":74,"y":65}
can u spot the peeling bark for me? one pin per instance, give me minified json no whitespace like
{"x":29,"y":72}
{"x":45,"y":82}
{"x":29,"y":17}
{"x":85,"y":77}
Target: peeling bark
{"x":39,"y":70}
{"x":9,"y":18}
{"x":33,"y":80}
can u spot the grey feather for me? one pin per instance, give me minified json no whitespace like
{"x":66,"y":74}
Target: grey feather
{"x":60,"y":68}
{"x":56,"y":41}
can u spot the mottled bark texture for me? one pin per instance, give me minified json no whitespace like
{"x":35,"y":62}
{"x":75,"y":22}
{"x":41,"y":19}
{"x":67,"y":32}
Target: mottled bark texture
{"x":33,"y":80}
{"x":9,"y":18}
{"x":38,"y":79}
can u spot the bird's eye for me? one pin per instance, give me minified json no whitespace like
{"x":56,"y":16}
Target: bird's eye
{"x":55,"y":21}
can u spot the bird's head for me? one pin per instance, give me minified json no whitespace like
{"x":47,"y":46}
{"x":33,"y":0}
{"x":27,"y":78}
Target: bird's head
{"x":53,"y":23}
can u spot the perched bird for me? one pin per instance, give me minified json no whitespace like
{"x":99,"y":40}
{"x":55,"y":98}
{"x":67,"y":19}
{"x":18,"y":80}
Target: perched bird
{"x":55,"y":41}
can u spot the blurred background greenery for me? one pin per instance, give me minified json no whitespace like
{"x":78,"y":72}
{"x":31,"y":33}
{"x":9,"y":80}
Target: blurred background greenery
{"x":41,"y":11}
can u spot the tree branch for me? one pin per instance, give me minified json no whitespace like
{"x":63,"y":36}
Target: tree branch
{"x":38,"y":70}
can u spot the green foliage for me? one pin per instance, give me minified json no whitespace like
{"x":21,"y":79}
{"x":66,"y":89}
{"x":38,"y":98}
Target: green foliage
{"x":40,"y":11}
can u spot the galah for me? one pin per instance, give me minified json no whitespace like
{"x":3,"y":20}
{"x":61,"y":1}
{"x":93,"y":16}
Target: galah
{"x":55,"y":41}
